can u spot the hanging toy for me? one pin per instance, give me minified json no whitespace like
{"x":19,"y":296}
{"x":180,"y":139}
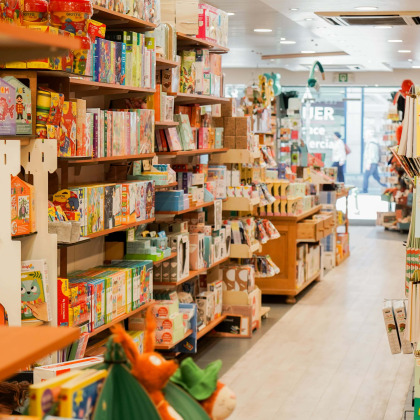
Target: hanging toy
{"x":217,"y":399}
{"x":150,"y":369}
{"x":312,"y":82}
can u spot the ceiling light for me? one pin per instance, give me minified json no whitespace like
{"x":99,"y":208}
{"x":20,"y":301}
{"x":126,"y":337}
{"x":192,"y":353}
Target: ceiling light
{"x":307,"y":52}
{"x":285,"y":42}
{"x":309,"y":19}
{"x":231,"y":14}
{"x":294,"y":9}
{"x":282,"y":39}
{"x":263,"y":30}
{"x":366,"y":8}
{"x":383,"y":27}
{"x":404,"y":51}
{"x":410,"y":60}
{"x":415,"y":67}
{"x":395,"y":40}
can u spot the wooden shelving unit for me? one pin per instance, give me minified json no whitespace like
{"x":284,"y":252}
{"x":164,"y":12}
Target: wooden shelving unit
{"x":16,"y":353}
{"x":187,"y":41}
{"x":191,"y":275}
{"x":192,"y":98}
{"x":164,"y":64}
{"x":172,"y":345}
{"x":119,"y":228}
{"x":209,"y":327}
{"x":284,"y":283}
{"x":121,"y":318}
{"x":173,"y":255}
{"x":194,"y":152}
{"x":175,"y":213}
{"x":116,"y":20}
{"x":18,"y":43}
{"x":163,"y":187}
{"x":76,"y":161}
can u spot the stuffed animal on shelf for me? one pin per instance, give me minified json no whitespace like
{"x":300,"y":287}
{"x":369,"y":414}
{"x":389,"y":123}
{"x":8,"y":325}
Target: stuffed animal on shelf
{"x":150,"y":369}
{"x":217,"y":399}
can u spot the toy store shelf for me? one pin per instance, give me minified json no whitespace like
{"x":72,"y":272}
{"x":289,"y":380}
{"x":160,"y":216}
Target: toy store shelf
{"x":298,"y":218}
{"x":171,"y":346}
{"x":164,"y":64}
{"x":62,"y":245}
{"x":78,"y":161}
{"x":184,"y":41}
{"x":243,"y":250}
{"x":192,"y":98}
{"x":18,"y":43}
{"x":240,"y":203}
{"x":308,"y":282}
{"x":190,"y":276}
{"x":175,"y":213}
{"x":166,"y":124}
{"x":87,"y":87}
{"x":116,"y":20}
{"x":210,"y":326}
{"x":121,"y":318}
{"x":173,"y":255}
{"x":18,"y":237}
{"x":344,"y":259}
{"x":162,"y":187}
{"x":236,"y":156}
{"x":192,"y":152}
{"x":17,"y":354}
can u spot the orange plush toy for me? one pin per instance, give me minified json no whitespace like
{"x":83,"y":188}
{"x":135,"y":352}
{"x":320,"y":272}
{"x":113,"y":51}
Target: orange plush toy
{"x":150,"y":368}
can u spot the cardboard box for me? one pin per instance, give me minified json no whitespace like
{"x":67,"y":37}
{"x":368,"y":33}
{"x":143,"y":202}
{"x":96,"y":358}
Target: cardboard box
{"x":229,"y":109}
{"x":229,"y":126}
{"x":237,"y":322}
{"x":217,"y":288}
{"x":401,"y":319}
{"x":239,"y":278}
{"x":229,"y":142}
{"x":205,"y":306}
{"x":196,"y":251}
{"x":241,"y":142}
{"x":218,"y":122}
{"x":242,"y":126}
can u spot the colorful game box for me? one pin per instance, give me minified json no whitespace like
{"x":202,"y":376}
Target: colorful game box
{"x":68,"y":130}
{"x":95,"y":209}
{"x":120,"y":52}
{"x":23,"y":207}
{"x":147,"y":131}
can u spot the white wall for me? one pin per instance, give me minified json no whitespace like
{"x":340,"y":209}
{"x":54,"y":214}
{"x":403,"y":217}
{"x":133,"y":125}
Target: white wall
{"x":289,"y":78}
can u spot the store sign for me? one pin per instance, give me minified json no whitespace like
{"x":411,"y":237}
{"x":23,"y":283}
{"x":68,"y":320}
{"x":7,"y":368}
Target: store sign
{"x":343,"y":78}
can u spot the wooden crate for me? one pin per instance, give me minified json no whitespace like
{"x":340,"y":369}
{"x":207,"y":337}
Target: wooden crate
{"x":310,"y":229}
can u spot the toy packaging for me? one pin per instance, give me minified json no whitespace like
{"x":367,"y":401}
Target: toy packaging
{"x":23,"y":207}
{"x":7,"y":109}
{"x":187,"y":78}
{"x":68,"y":130}
{"x":95,"y":209}
{"x":34,"y":290}
{"x":23,"y":106}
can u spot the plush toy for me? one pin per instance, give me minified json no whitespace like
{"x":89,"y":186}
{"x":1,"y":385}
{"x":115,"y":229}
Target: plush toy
{"x":217,"y":399}
{"x":150,"y":368}
{"x":312,"y":82}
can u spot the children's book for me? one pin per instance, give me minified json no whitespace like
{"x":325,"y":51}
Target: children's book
{"x":44,"y":395}
{"x":7,"y":108}
{"x":78,"y":395}
{"x":185,"y":132}
{"x":173,"y":139}
{"x":35,"y":303}
{"x":147,"y":130}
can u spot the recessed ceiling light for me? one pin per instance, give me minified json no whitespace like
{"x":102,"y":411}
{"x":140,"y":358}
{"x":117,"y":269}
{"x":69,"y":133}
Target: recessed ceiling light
{"x":282,"y":39}
{"x":285,"y":42}
{"x":263,"y":30}
{"x":231,"y":14}
{"x":415,"y":67}
{"x":410,"y":60}
{"x":272,"y":60}
{"x":309,"y":19}
{"x":366,"y":8}
{"x":404,"y":51}
{"x":294,"y":9}
{"x":383,"y":27}
{"x":307,"y":52}
{"x":395,"y":40}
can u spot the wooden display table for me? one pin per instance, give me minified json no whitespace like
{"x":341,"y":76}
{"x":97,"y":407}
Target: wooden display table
{"x":283,"y":251}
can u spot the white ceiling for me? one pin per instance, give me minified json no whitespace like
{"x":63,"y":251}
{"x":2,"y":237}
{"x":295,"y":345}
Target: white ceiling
{"x":366,"y":47}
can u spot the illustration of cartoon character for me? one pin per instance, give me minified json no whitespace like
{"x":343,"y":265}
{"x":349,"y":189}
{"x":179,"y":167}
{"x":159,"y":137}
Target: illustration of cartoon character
{"x":23,"y":207}
{"x":32,"y":294}
{"x":20,"y":107}
{"x":149,"y":201}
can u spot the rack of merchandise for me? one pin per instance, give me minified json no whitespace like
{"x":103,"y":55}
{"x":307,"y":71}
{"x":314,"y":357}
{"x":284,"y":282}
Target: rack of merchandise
{"x":50,"y":167}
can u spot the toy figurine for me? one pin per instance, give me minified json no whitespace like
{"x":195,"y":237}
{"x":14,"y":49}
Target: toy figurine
{"x":217,"y":399}
{"x":150,"y":369}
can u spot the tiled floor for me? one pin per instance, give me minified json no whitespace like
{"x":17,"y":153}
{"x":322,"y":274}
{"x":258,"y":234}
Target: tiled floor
{"x":326,"y":357}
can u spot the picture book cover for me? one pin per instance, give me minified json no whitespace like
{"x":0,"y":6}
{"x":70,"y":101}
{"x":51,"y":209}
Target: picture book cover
{"x":133,"y":133}
{"x":34,"y":291}
{"x":173,"y":140}
{"x":150,"y":199}
{"x":126,"y":136}
{"x":95,"y":209}
{"x":147,"y":130}
{"x":109,"y":132}
{"x":103,"y":61}
{"x":7,"y":108}
{"x":118,"y":131}
{"x":23,"y":106}
{"x":78,"y":396}
{"x":117,"y":204}
{"x":112,"y":62}
{"x":23,"y":207}
{"x":109,"y":220}
{"x":185,"y":132}
{"x":120,"y":52}
{"x":98,"y":308}
{"x":68,"y":130}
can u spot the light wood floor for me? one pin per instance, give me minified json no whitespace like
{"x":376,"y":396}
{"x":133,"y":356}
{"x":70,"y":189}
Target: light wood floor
{"x":328,"y":357}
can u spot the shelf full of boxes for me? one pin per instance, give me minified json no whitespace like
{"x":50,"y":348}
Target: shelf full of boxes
{"x":105,"y":185}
